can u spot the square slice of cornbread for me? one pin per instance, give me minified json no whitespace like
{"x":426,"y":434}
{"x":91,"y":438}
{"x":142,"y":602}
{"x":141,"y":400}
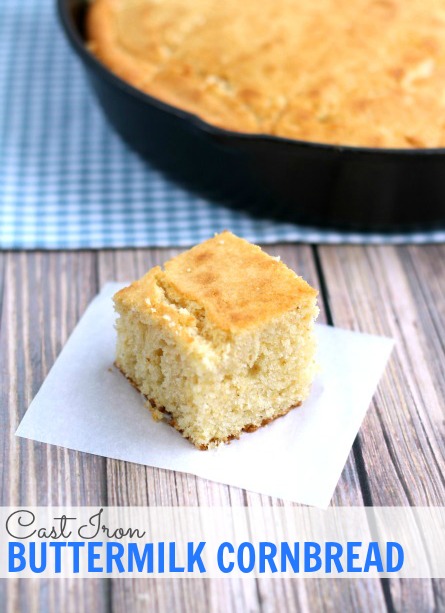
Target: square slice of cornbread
{"x":220,"y":340}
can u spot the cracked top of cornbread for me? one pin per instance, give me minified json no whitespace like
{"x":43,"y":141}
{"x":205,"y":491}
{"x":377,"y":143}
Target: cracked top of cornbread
{"x":232,"y":283}
{"x":351,"y":72}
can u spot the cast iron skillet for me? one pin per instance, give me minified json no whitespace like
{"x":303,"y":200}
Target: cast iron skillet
{"x":345,"y":187}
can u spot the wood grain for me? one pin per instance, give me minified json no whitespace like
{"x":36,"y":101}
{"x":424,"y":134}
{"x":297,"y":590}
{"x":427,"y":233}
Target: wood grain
{"x":398,"y":292}
{"x":44,"y":296}
{"x":397,"y":459}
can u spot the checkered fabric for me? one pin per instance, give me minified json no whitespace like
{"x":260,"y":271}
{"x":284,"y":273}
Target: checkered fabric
{"x":66,"y":179}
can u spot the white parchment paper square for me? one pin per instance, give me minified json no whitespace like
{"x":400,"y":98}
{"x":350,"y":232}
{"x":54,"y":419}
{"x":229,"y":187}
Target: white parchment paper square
{"x":87,"y":405}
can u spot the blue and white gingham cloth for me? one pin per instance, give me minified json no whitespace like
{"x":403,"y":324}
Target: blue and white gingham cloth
{"x":66,"y":179}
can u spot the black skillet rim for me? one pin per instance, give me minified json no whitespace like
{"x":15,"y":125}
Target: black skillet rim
{"x":199,"y":124}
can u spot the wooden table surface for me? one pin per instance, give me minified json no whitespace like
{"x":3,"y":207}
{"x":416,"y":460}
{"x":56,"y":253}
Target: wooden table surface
{"x":398,"y":457}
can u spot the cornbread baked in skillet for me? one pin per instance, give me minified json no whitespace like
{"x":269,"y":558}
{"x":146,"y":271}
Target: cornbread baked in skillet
{"x":220,"y":340}
{"x":353,"y":72}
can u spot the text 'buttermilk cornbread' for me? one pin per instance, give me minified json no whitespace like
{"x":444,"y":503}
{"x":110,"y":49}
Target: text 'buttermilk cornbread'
{"x":220,"y":340}
{"x":356,"y":72}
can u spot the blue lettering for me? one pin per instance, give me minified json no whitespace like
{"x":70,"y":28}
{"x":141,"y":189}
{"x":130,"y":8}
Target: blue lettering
{"x":161,"y":554}
{"x":172,"y":560}
{"x":32,"y":557}
{"x":134,"y":557}
{"x":115,"y":557}
{"x":287,"y":556}
{"x":351,"y":556}
{"x":334,"y":552}
{"x":390,"y":566}
{"x":92,"y":556}
{"x":246,"y":568}
{"x":57,"y":555}
{"x":194,"y":557}
{"x":373,"y":558}
{"x":16,"y":556}
{"x":312,"y":551}
{"x":267,"y":555}
{"x":220,"y":557}
{"x":76,"y":555}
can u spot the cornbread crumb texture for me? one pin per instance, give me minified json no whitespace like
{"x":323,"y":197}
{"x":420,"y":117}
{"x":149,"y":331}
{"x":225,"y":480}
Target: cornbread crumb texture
{"x":366,"y":72}
{"x":221,"y":339}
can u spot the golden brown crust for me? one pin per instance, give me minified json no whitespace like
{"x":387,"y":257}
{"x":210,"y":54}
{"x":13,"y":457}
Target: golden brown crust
{"x":366,"y":72}
{"x":105,"y":43}
{"x":155,"y":409}
{"x":237,"y":285}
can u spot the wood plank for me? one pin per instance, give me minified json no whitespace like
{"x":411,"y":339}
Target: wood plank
{"x":398,"y":292}
{"x":129,"y":484}
{"x":44,"y":296}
